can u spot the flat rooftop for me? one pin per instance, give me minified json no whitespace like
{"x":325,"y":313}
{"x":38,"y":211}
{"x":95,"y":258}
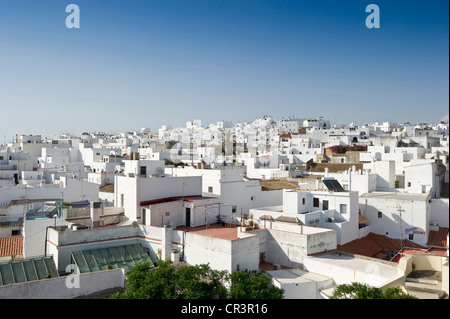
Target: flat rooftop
{"x":296,"y":276}
{"x":213,"y":230}
{"x":345,"y":268}
{"x":395,"y":196}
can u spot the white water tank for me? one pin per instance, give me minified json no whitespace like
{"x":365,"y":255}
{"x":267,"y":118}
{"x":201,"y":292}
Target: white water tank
{"x":175,"y":256}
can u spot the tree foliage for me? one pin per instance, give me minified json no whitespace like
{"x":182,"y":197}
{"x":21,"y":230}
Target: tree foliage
{"x":358,"y":290}
{"x":195,"y":282}
{"x":253,"y":285}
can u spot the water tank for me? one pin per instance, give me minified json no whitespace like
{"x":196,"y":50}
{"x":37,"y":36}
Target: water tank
{"x":175,"y":256}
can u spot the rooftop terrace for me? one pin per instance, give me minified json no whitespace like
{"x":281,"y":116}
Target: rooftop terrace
{"x":228,"y":232}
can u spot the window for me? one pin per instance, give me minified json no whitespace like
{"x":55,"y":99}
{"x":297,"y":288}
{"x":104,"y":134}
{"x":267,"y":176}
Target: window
{"x":411,"y":236}
{"x":316,"y":202}
{"x":343,"y":208}
{"x":409,"y":184}
{"x":380,"y":214}
{"x":167,"y":214}
{"x":210,"y":189}
{"x":1,"y":158}
{"x":325,"y":205}
{"x":143,"y":170}
{"x":262,"y":257}
{"x":303,"y":201}
{"x":233,"y":209}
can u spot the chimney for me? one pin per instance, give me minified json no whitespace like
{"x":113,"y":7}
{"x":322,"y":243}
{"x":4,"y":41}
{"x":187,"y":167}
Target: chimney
{"x":350,"y":178}
{"x":96,"y":211}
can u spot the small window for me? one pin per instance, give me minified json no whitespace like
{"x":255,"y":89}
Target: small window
{"x":167,"y":214}
{"x":316,"y":202}
{"x":303,"y":201}
{"x":409,"y":184}
{"x":343,"y":208}
{"x":380,"y":214}
{"x":252,"y":198}
{"x":233,"y":209}
{"x":210,"y":189}
{"x":411,"y":236}
{"x":325,"y":205}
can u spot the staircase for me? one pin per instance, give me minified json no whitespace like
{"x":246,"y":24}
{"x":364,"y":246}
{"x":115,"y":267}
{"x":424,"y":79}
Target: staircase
{"x":425,"y":284}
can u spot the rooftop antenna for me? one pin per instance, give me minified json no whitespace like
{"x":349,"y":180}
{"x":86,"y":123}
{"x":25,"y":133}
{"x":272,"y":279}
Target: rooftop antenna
{"x":399,"y":209}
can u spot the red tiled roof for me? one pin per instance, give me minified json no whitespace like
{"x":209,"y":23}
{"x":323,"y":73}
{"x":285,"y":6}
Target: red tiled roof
{"x":365,"y":246}
{"x":388,"y":243}
{"x":438,"y":238}
{"x":373,"y":244}
{"x":12,"y":245}
{"x":411,"y":251}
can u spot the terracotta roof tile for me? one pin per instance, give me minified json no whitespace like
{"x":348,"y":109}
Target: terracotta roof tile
{"x":287,"y":219}
{"x":365,"y":246}
{"x":438,"y":238}
{"x":11,"y":245}
{"x":373,"y":244}
{"x":388,"y":243}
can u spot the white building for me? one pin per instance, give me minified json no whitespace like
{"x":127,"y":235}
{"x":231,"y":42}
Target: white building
{"x":231,"y":186}
{"x":398,"y":215}
{"x":325,"y":209}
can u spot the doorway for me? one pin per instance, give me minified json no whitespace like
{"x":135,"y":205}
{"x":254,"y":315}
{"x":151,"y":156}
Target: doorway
{"x":188,"y":216}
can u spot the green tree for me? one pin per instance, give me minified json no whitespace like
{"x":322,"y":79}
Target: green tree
{"x":253,"y":285}
{"x":168,"y":282}
{"x":195,"y":282}
{"x":144,"y":282}
{"x":358,"y":290}
{"x":201,"y":282}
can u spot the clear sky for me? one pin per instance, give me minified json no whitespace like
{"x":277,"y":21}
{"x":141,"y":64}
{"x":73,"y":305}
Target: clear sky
{"x":137,"y":63}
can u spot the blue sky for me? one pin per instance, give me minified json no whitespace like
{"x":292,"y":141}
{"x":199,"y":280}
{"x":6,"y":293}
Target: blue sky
{"x":137,"y":63}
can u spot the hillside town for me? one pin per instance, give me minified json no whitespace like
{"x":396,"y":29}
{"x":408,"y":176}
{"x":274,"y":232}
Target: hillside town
{"x":311,"y":203}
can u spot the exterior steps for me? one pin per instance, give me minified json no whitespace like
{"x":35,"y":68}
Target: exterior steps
{"x":425,"y":285}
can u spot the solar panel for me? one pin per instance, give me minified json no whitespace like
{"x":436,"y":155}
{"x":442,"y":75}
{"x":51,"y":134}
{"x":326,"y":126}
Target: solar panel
{"x":333,"y":185}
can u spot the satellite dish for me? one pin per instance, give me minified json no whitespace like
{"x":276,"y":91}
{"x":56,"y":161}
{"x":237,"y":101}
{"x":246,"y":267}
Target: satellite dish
{"x":135,"y":224}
